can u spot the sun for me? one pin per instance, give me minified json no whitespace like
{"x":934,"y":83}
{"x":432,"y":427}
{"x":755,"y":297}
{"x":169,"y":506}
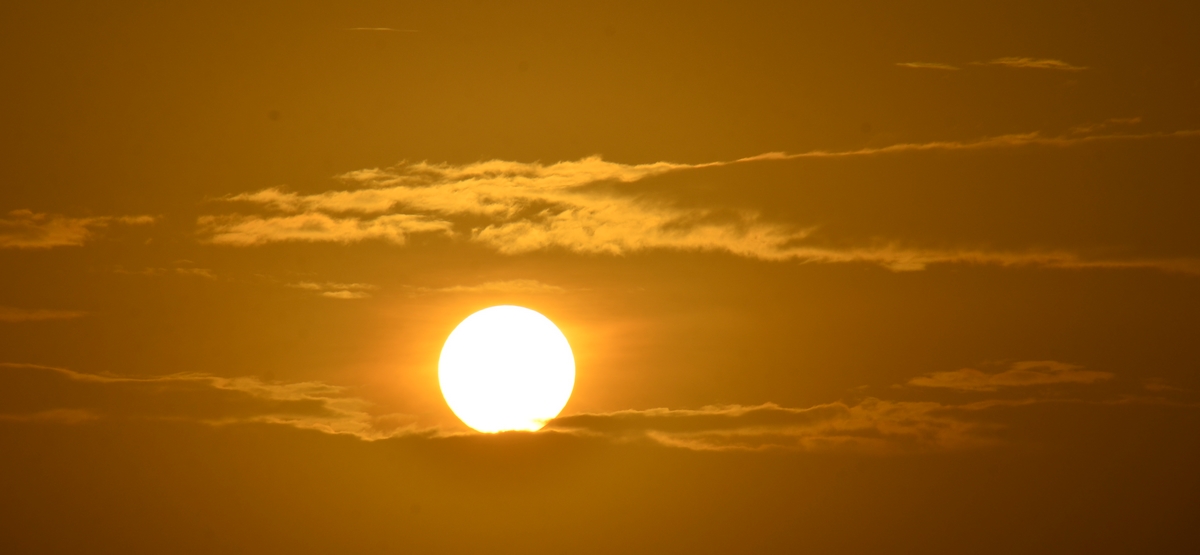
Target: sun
{"x":506,"y":368}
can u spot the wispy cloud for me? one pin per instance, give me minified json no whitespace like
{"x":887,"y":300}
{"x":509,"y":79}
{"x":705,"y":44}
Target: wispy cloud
{"x":507,"y":286}
{"x":333,"y":290}
{"x":928,"y":65}
{"x":872,"y":425}
{"x":516,"y":207}
{"x":534,"y":207}
{"x":60,"y":416}
{"x":1019,"y":374}
{"x":345,"y":295}
{"x":25,"y":229}
{"x":315,"y":227}
{"x":11,"y":314}
{"x":1013,"y":140}
{"x":1092,"y":128}
{"x":178,"y":271}
{"x":33,"y":392}
{"x":37,"y":393}
{"x":1034,"y":63}
{"x":383,"y":29}
{"x":1159,"y":385}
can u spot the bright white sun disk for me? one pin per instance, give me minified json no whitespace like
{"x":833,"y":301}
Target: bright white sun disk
{"x":506,"y":368}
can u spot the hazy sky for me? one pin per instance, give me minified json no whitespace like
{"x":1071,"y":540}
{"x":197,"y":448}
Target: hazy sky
{"x":842,"y":277}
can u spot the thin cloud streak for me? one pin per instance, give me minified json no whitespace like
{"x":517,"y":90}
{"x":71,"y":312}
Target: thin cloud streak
{"x":345,"y":295}
{"x":58,"y":416}
{"x":528,"y":207}
{"x":64,"y":396}
{"x":38,"y":393}
{"x":332,"y":290}
{"x":1097,"y":127}
{"x":1019,"y":374}
{"x":873,"y":425}
{"x":928,"y":65}
{"x":155,"y":272}
{"x":25,"y":229}
{"x":507,"y":286}
{"x":197,"y":397}
{"x":313,"y":227}
{"x":1001,"y":141}
{"x":13,"y":315}
{"x":383,"y":29}
{"x":1034,"y":63}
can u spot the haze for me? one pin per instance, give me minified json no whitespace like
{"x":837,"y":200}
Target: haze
{"x":840,"y":277}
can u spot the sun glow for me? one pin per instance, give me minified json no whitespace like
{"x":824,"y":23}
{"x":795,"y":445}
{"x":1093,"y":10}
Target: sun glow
{"x":506,"y":368}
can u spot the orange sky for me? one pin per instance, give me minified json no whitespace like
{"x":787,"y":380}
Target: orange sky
{"x":843,"y":277}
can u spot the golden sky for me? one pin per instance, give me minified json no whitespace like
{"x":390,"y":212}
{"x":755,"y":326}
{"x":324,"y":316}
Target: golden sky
{"x":842,"y":277}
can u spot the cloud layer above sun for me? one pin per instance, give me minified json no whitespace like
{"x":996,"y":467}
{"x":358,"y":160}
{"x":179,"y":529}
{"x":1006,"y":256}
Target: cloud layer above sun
{"x":593,"y":206}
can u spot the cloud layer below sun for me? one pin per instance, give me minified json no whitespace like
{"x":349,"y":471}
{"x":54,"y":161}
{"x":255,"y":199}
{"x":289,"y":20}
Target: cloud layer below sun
{"x":578,"y":206}
{"x":34,"y":392}
{"x":37,"y":393}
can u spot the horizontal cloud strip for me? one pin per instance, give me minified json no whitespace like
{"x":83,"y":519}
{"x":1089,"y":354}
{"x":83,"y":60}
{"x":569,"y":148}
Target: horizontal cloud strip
{"x":1010,"y":61}
{"x":516,"y":207}
{"x":872,"y":425}
{"x":254,"y":230}
{"x":1034,"y":63}
{"x":508,"y":286}
{"x":11,"y":314}
{"x":1019,"y":374}
{"x":30,"y":392}
{"x":928,"y":65}
{"x":25,"y":229}
{"x":345,"y":291}
{"x":33,"y":393}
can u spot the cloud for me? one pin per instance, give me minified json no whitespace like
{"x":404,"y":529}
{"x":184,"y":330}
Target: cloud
{"x":1097,"y":127}
{"x":315,"y":227}
{"x":197,"y":272}
{"x":987,"y":143}
{"x":1159,"y":385}
{"x":1033,"y":63}
{"x":25,"y":229}
{"x":61,"y":416}
{"x":200,"y":272}
{"x":11,"y":314}
{"x":383,"y":29}
{"x":1019,"y":374}
{"x":903,"y":259}
{"x":517,"y":207}
{"x":36,"y":393}
{"x":345,"y":294}
{"x":872,"y":425}
{"x":1012,"y":61}
{"x":334,"y":290}
{"x":30,"y":392}
{"x":509,"y":286}
{"x":537,"y":207}
{"x":928,"y":65}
